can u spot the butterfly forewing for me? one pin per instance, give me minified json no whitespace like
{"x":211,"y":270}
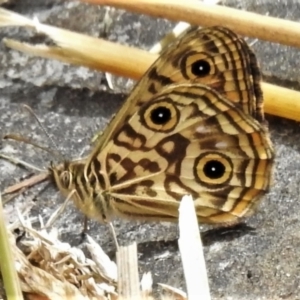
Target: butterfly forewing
{"x":214,"y":56}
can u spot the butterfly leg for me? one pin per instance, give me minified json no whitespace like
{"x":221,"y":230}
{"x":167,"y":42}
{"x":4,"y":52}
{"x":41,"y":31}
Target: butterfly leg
{"x":113,"y":232}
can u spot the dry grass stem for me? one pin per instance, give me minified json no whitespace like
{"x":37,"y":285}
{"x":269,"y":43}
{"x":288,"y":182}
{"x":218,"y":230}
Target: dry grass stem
{"x":7,"y":263}
{"x":71,"y":47}
{"x":107,"y":268}
{"x":50,"y":269}
{"x":191,"y":251}
{"x":59,"y":269}
{"x":128,"y":276}
{"x":130,"y":62}
{"x":202,"y":13}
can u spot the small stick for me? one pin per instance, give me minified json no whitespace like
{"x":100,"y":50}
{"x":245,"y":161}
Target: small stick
{"x":26,"y":183}
{"x":11,"y":197}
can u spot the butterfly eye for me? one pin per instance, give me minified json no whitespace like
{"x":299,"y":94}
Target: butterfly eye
{"x":66,"y":179}
{"x":213,"y":168}
{"x":160,"y":116}
{"x":200,"y":68}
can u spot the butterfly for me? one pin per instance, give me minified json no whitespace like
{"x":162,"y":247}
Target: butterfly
{"x":194,"y":124}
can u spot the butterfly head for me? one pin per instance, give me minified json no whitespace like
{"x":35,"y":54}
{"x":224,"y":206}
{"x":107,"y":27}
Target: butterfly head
{"x":64,"y":176}
{"x":72,"y":182}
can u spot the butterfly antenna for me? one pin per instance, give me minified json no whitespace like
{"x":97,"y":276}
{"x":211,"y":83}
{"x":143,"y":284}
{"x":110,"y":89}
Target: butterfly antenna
{"x":19,"y":138}
{"x":29,"y":109}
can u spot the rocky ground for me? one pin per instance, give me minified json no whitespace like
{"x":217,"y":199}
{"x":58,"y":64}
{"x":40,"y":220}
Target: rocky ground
{"x":74,"y":102}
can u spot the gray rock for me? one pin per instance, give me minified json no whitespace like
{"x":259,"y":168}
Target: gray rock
{"x":74,"y":102}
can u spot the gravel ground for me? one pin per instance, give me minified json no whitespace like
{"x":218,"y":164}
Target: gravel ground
{"x":74,"y":102}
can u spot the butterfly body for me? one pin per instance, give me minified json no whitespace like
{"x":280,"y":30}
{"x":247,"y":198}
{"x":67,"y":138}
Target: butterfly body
{"x":180,"y":134}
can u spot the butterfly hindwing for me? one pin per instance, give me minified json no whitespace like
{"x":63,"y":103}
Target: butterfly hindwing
{"x":188,"y":139}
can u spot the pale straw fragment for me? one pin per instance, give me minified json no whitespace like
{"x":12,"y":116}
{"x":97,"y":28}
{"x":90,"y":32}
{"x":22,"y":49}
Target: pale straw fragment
{"x":125,"y":61}
{"x":191,"y":251}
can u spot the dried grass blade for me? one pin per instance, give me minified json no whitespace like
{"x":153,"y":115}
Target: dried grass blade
{"x":191,"y":251}
{"x":128,"y":276}
{"x":126,"y":61}
{"x":7,"y":262}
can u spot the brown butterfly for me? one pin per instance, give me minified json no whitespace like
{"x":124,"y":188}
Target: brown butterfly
{"x":194,"y":124}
